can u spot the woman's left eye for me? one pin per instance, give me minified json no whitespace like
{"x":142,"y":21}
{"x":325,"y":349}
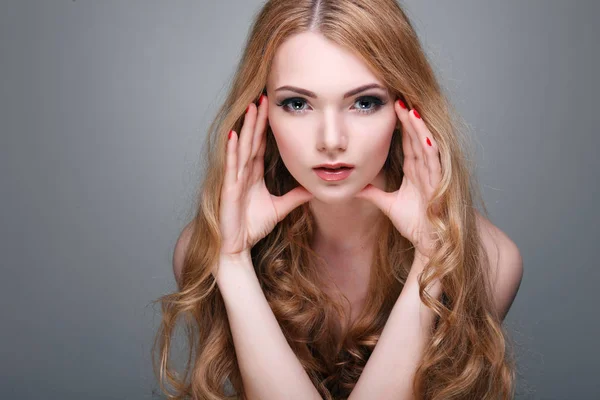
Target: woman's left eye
{"x":374,"y":102}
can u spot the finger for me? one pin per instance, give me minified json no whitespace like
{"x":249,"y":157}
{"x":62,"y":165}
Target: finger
{"x":231,"y":161}
{"x":408,"y":164}
{"x":403,"y":117}
{"x":430,"y":152}
{"x":421,"y":169}
{"x":257,"y":154}
{"x":383,"y":200}
{"x":414,"y":138}
{"x":245,"y":139}
{"x":261,"y":122}
{"x":263,"y":143}
{"x":262,"y":149}
{"x":292,"y":199}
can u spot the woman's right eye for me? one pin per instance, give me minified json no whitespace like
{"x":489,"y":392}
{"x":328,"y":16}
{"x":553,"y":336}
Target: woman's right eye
{"x":293,"y":105}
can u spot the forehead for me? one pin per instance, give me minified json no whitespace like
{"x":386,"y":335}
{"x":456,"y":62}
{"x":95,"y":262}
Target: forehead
{"x":311,"y":61}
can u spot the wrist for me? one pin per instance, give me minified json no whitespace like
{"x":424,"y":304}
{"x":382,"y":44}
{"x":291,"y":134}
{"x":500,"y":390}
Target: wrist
{"x":425,"y":249}
{"x":418,"y":265}
{"x":233,"y":267}
{"x":242,"y":257}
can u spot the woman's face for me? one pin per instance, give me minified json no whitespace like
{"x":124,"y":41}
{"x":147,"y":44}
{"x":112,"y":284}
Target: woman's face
{"x":327,"y":126}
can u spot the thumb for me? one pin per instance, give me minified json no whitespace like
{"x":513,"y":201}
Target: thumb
{"x":292,"y":199}
{"x":383,"y":200}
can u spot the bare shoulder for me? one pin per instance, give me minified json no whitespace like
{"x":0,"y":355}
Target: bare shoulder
{"x":506,"y":263}
{"x":180,"y":250}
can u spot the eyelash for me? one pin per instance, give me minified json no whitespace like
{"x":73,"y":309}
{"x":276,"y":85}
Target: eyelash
{"x":378,"y":103}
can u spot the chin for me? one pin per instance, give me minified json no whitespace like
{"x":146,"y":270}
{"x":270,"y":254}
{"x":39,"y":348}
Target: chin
{"x":334,"y":194}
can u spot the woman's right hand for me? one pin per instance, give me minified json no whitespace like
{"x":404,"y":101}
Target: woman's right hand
{"x":248,"y":210}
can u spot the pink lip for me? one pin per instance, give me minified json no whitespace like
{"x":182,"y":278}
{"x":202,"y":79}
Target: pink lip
{"x":333,"y":175}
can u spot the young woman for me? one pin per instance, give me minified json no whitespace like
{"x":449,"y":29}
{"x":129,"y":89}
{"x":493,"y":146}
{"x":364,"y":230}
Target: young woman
{"x":299,"y":279}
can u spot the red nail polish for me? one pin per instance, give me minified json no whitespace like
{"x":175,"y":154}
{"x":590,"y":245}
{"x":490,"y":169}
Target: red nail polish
{"x":416,"y":113}
{"x":402,"y":104}
{"x":247,"y":108}
{"x":230,"y":132}
{"x":261,"y":99}
{"x":428,"y":141}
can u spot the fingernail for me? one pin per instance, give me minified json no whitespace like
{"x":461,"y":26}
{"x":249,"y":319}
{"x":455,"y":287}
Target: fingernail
{"x":230,"y":132}
{"x":416,"y":113}
{"x":261,"y":99}
{"x":247,"y":108}
{"x":402,"y":104}
{"x":428,"y":141}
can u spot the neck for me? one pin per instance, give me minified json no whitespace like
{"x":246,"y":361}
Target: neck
{"x":348,"y":228}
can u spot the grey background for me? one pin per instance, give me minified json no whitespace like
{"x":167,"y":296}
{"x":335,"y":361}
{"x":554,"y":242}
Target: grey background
{"x":103,"y":108}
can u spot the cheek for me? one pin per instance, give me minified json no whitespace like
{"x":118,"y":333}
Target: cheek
{"x":281,"y":138}
{"x":376,"y":152}
{"x":287,"y":143}
{"x":379,"y":139}
{"x":292,"y":134}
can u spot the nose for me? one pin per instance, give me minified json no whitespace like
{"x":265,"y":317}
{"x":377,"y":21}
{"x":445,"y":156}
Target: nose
{"x":332,"y":137}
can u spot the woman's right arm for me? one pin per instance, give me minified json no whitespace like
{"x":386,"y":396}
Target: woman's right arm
{"x":269,"y":367}
{"x":247,"y":213}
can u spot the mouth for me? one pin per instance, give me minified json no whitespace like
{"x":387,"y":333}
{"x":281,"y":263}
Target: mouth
{"x":333,"y":169}
{"x":333,"y":174}
{"x":334,"y":166}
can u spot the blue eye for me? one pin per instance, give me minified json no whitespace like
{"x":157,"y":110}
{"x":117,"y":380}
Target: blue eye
{"x":294,"y":101}
{"x":374,"y":102}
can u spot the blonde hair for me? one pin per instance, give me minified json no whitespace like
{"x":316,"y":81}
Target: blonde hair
{"x":468,"y":355}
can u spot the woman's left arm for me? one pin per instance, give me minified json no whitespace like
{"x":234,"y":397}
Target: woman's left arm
{"x":406,"y":333}
{"x":400,"y":346}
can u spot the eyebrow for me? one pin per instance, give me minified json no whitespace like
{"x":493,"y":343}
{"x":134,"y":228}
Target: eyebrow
{"x":308,"y":93}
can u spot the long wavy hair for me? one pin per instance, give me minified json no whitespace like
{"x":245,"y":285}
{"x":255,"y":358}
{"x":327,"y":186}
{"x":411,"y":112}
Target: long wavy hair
{"x":468,"y":355}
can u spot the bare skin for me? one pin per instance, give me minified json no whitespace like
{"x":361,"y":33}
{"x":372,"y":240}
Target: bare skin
{"x":329,"y":129}
{"x":346,"y":212}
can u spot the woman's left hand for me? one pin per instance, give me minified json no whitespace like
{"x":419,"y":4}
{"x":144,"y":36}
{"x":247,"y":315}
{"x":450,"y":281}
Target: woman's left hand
{"x":422,"y":175}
